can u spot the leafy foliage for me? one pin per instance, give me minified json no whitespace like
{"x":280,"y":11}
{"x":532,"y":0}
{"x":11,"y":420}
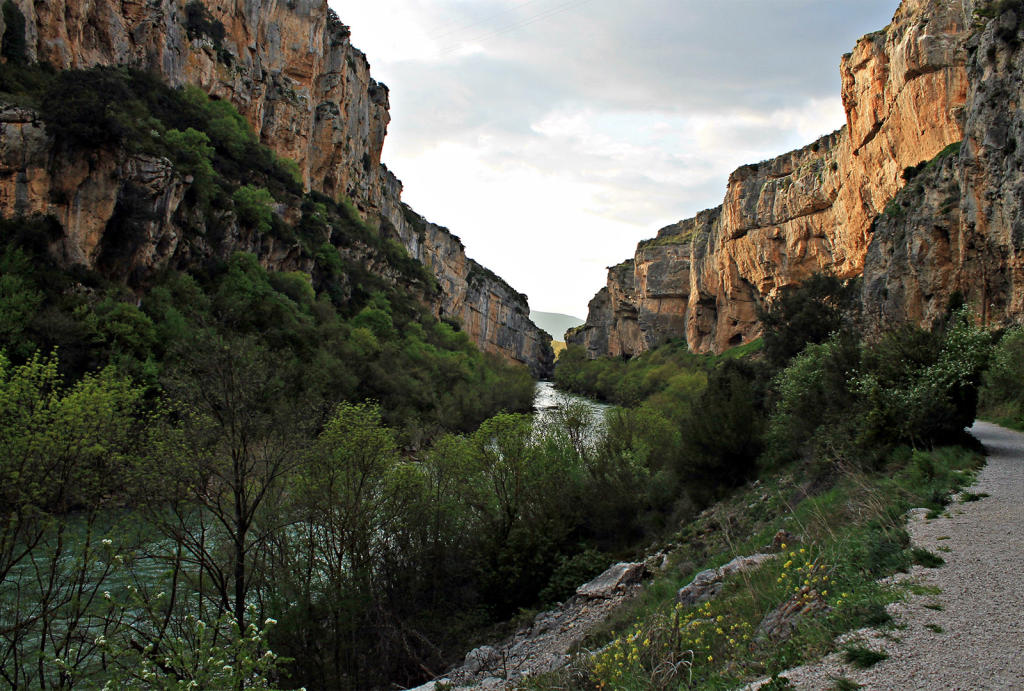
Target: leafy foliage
{"x":850,"y":404}
{"x":821,"y":306}
{"x":254,"y":207}
{"x":14,"y":48}
{"x":1002,"y":397}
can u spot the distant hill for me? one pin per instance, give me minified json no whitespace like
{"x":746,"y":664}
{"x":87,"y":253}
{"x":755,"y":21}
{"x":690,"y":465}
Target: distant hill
{"x":555,"y":324}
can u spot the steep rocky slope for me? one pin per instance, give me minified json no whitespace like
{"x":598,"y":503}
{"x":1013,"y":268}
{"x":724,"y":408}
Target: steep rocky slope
{"x":904,"y":90}
{"x":957,"y":230}
{"x":291,"y":70}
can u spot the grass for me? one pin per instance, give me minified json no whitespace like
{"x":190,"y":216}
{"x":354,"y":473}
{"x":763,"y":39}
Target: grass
{"x":845,"y":684}
{"x":927,"y":559}
{"x":934,"y":628}
{"x":973,"y":496}
{"x":665,"y":240}
{"x":850,"y":532}
{"x":863,"y":657}
{"x":935,"y":606}
{"x":744,"y":350}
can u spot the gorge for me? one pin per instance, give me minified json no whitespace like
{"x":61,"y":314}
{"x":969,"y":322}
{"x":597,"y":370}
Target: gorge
{"x":912,"y":93}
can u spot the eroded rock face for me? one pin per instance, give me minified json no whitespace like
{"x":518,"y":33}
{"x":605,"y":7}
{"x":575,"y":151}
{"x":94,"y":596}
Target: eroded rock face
{"x":958,"y":227}
{"x":291,"y":70}
{"x":904,"y":90}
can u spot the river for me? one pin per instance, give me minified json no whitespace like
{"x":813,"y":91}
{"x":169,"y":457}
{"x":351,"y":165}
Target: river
{"x":547,"y":399}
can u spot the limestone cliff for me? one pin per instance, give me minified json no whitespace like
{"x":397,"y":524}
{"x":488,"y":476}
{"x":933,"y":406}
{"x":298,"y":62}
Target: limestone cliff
{"x":957,"y":231}
{"x":289,"y":67}
{"x":904,"y":91}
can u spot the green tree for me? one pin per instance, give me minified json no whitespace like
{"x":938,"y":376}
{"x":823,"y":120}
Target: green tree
{"x":344,"y":500}
{"x":243,"y":436}
{"x":1003,"y":394}
{"x":193,"y":155}
{"x":66,"y":456}
{"x":254,"y":206}
{"x":20,"y":301}
{"x":810,"y":313}
{"x":724,"y":436}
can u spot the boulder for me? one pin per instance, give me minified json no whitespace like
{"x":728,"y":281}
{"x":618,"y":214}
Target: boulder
{"x":707,"y":584}
{"x":781,"y":622}
{"x":613,"y":581}
{"x":480,"y":659}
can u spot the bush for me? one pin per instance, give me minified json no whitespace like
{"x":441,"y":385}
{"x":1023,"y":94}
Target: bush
{"x":200,"y":24}
{"x":810,"y":313}
{"x":1002,"y":397}
{"x":253,"y":205}
{"x":14,"y":49}
{"x":193,"y":155}
{"x":91,"y":109}
{"x":841,"y":403}
{"x":724,"y":436}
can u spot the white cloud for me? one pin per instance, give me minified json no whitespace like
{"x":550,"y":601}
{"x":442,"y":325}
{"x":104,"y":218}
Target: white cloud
{"x":553,"y":135}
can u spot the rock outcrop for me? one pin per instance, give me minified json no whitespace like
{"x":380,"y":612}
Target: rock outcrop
{"x":291,"y":70}
{"x":904,"y":90}
{"x":956,"y":232}
{"x":706,"y":585}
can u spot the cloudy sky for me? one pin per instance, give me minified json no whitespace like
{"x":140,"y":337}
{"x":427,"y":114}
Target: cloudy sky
{"x":553,"y":135}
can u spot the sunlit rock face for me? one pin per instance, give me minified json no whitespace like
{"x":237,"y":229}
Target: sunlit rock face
{"x":956,"y":233}
{"x":291,"y":70}
{"x":904,"y":90}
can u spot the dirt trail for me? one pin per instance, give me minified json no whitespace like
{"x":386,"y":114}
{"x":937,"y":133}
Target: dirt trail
{"x":970,"y":633}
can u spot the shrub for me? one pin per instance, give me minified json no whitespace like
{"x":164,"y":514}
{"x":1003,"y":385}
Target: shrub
{"x":193,"y":155}
{"x":810,"y":313}
{"x":1003,"y":394}
{"x":90,"y":109}
{"x":253,"y":207}
{"x":14,"y":49}
{"x":200,"y":24}
{"x":724,"y":437}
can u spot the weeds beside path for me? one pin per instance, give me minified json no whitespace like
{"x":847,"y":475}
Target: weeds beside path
{"x":963,"y":625}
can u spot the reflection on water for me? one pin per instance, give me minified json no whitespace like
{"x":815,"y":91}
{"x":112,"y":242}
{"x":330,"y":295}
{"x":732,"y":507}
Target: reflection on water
{"x":547,"y":400}
{"x":547,"y":397}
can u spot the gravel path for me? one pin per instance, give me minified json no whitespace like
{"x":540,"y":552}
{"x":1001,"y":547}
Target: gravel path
{"x":976,"y":639}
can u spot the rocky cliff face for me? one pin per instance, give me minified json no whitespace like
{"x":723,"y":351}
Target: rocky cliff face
{"x":957,"y":230}
{"x":904,"y":90}
{"x":291,"y":70}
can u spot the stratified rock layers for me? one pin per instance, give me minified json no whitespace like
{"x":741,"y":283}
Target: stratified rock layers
{"x":291,"y":70}
{"x":904,"y":90}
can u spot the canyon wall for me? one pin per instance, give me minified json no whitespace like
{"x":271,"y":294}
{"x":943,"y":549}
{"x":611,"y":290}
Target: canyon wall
{"x":289,"y":67}
{"x":956,"y":232}
{"x":904,"y":90}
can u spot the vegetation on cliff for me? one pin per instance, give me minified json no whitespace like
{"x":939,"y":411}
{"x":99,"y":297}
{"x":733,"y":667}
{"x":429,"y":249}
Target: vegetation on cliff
{"x":185,"y":447}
